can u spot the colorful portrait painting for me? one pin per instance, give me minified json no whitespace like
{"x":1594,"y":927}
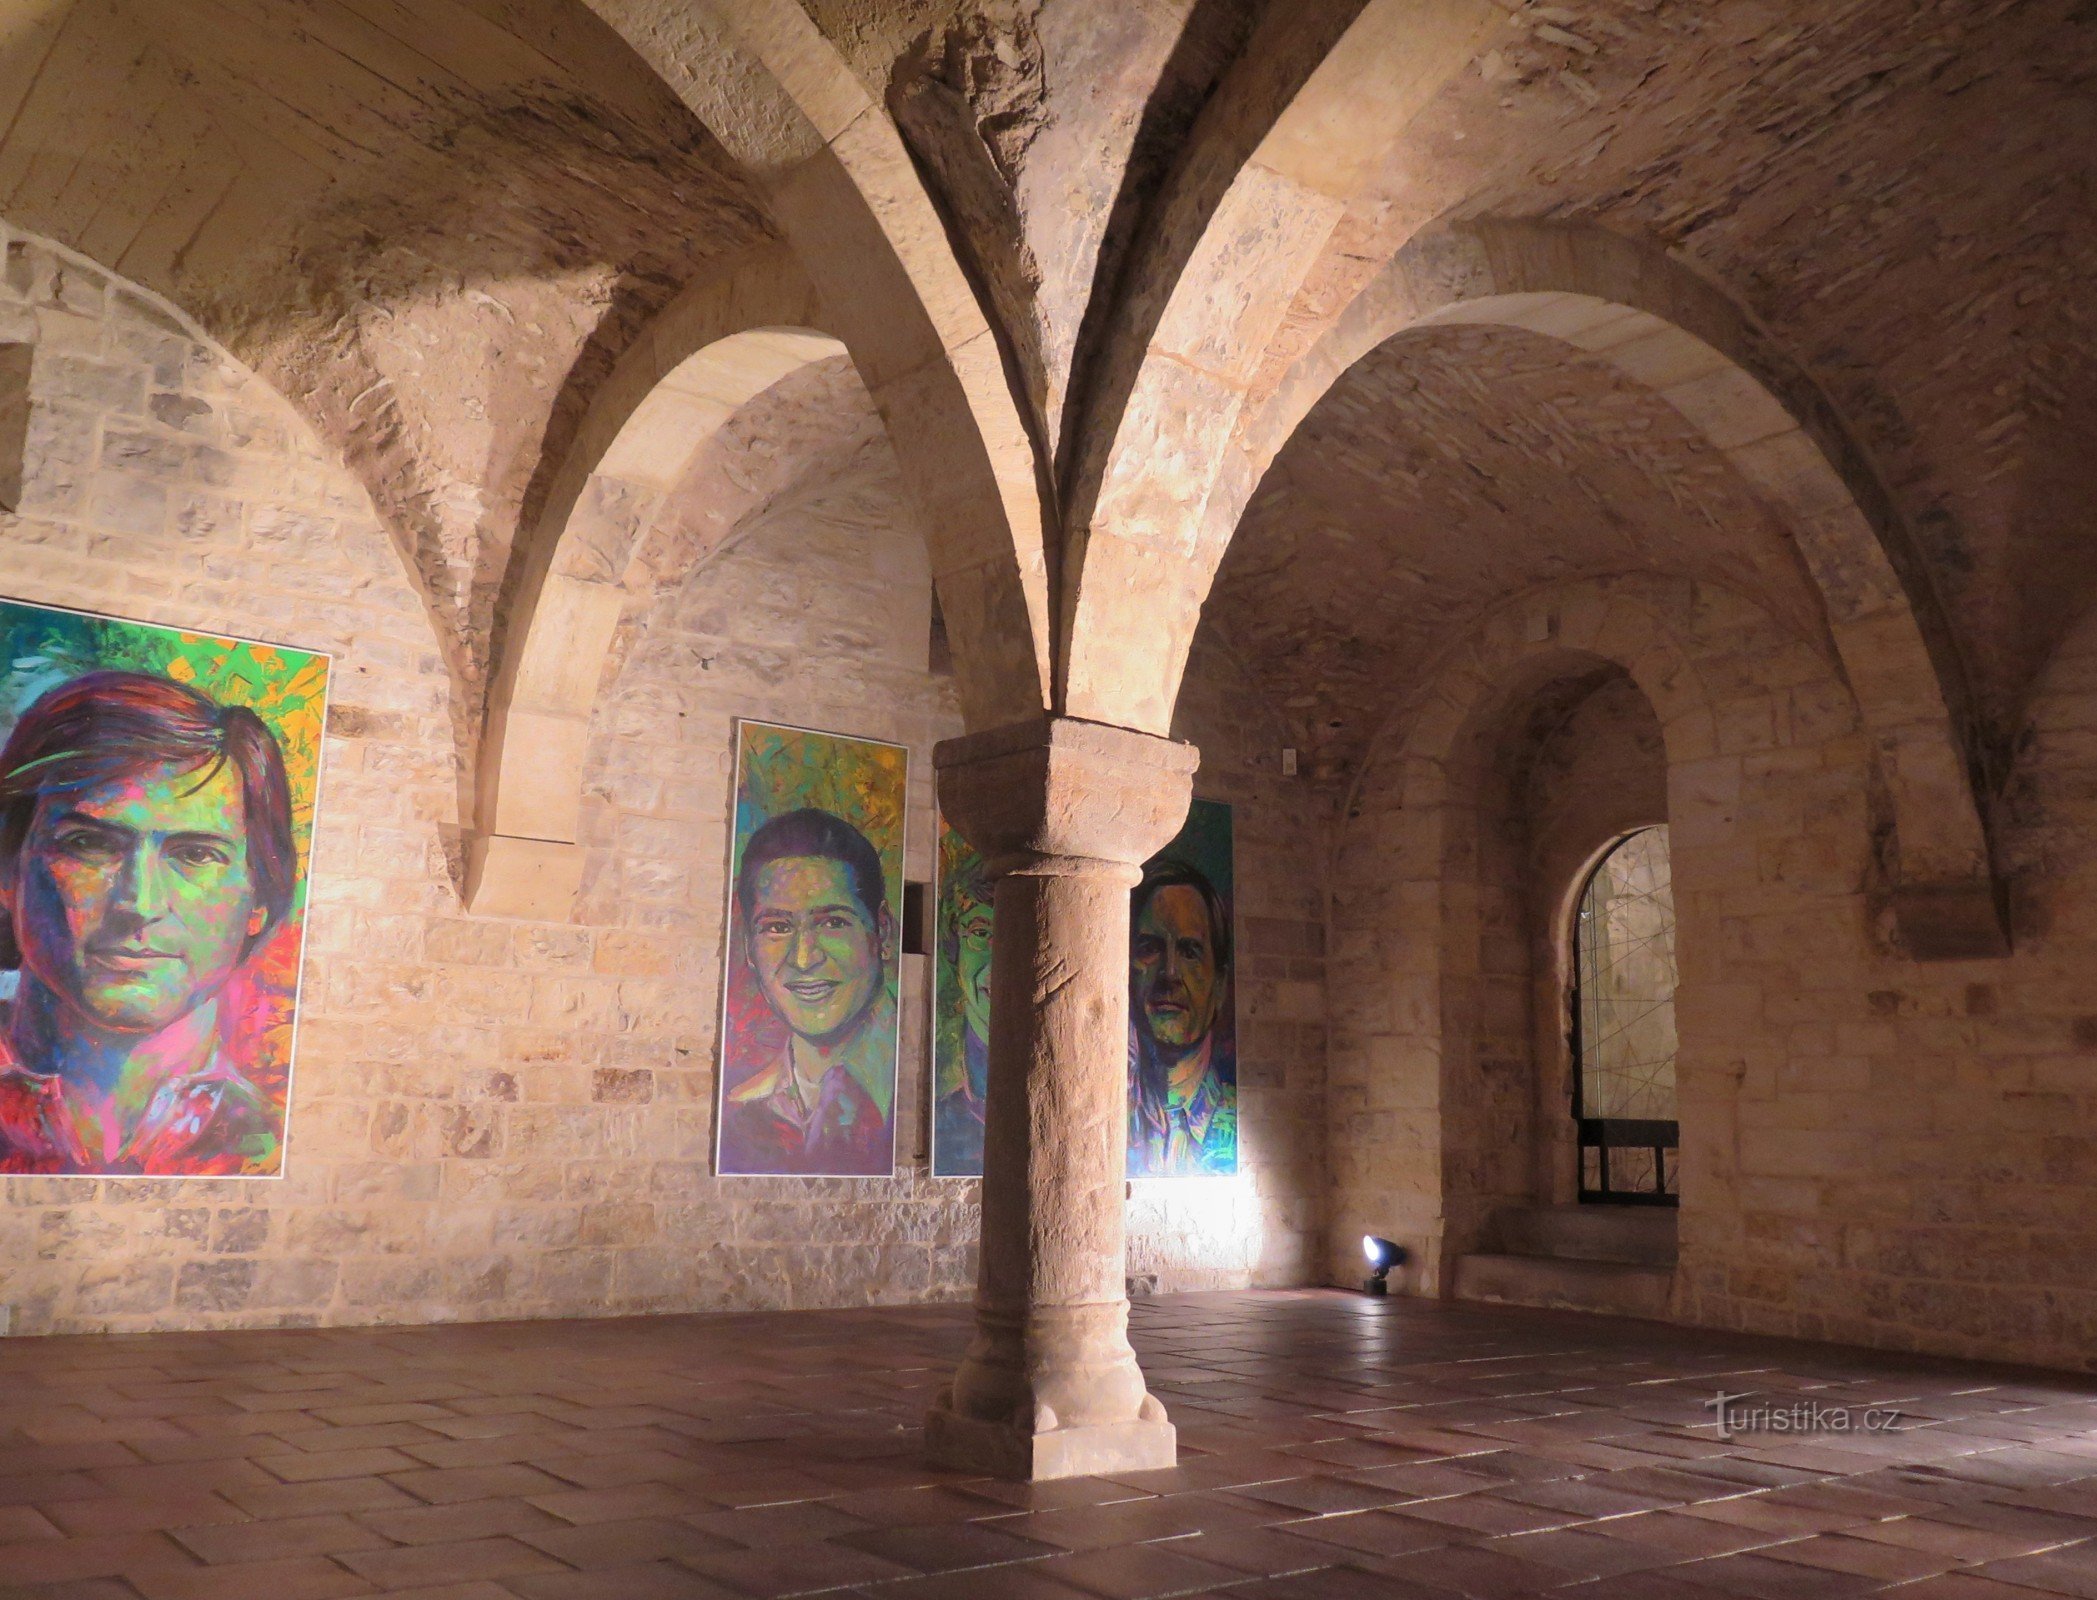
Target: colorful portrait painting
{"x":157,"y":793}
{"x":1183,"y":1034}
{"x":808,"y":1026}
{"x":960,"y":1009}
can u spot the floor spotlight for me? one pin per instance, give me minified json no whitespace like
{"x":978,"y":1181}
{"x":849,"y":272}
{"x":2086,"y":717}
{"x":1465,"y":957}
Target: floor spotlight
{"x":1382,"y":1255}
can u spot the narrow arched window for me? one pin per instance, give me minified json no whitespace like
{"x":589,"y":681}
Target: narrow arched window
{"x":1623,"y":1031}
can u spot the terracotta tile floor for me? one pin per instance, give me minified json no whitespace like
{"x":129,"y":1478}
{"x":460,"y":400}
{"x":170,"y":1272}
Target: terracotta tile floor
{"x":1332,"y":1446}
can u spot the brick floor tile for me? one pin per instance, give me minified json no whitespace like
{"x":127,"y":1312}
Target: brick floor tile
{"x":1132,"y":1521}
{"x":1840,"y":1553}
{"x":795,"y":1568}
{"x":277,"y":1540}
{"x":465,"y":1519}
{"x":614,"y":1505}
{"x":398,"y":1435}
{"x":656,"y":1580}
{"x":58,"y":1560}
{"x":1322,"y":1495}
{"x":1659,"y":1584}
{"x":945,"y":1547}
{"x":449,"y":1485}
{"x":1580,"y":1553}
{"x":25,"y":1522}
{"x":2070,"y":1571}
{"x":138,"y":1514}
{"x":1489,"y":1514}
{"x":1759,"y":1576}
{"x":1027,"y":1582}
{"x":1684,"y":1537}
{"x":1759,"y":1511}
{"x":43,"y":1488}
{"x":1949,"y":1539}
{"x":915,"y":1508}
{"x":1589,"y":1498}
{"x":1962,"y":1586}
{"x":1137,"y":1572}
{"x":1480,"y":1572}
{"x":1333,"y":1583}
{"x":315,"y":1465}
{"x":310,"y":1578}
{"x":325,"y":1495}
{"x":78,"y":1589}
{"x":1376,"y":1533}
{"x":448,"y":1563}
{"x":621,"y":1544}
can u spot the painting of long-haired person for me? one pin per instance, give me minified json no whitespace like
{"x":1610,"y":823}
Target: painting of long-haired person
{"x":146,"y":854}
{"x":1183,"y":1077}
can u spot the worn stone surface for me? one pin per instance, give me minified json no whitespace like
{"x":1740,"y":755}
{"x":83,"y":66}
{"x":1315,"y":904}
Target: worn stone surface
{"x":1089,"y":269}
{"x":496,"y":1118}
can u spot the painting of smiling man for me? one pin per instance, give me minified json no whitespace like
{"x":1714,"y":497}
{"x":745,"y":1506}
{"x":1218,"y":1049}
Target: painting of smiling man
{"x":156,"y":809}
{"x":808,"y":1029}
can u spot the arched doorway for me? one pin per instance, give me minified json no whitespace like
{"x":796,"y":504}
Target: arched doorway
{"x":1623,"y":1026}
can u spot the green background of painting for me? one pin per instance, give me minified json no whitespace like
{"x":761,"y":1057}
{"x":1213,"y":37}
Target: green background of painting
{"x":861,"y":780}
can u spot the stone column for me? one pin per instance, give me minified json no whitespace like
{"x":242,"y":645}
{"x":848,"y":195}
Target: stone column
{"x":1065,"y":813}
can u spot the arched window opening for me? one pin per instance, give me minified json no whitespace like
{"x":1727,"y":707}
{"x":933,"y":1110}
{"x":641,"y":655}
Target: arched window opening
{"x":1623,"y":1032}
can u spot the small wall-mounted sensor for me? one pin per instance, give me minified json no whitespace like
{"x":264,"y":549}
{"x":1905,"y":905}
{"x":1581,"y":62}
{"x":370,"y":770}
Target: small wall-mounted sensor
{"x":917,"y":919}
{"x":1288,"y":761}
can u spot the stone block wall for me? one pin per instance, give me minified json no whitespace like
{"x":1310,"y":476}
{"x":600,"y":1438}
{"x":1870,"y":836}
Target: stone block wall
{"x":508,"y":1119}
{"x":1876,"y":1150}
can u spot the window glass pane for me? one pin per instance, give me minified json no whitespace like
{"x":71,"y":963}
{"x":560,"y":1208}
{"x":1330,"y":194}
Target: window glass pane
{"x":1626,"y":951}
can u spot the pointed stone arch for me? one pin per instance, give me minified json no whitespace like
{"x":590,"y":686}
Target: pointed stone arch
{"x":718,"y":345}
{"x":1286,"y":149}
{"x":844,"y":194}
{"x":1666,"y":328}
{"x":1406,"y":934}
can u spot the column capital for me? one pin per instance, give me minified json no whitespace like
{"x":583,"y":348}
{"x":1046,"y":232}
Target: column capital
{"x":1061,"y":789}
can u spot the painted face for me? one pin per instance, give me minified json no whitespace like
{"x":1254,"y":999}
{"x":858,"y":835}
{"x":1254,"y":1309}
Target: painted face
{"x":820,"y":956}
{"x":133,"y":901}
{"x":1172,"y":967}
{"x":973,"y":964}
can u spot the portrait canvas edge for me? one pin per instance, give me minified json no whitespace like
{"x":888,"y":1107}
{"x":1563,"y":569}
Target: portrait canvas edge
{"x":933,"y":989}
{"x":1230,"y":810}
{"x":735,"y":793}
{"x":298,"y":988}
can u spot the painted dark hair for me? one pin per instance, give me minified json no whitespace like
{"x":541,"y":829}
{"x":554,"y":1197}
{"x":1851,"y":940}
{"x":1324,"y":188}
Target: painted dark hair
{"x":1169,"y":872}
{"x":103,"y":726}
{"x":809,"y":832}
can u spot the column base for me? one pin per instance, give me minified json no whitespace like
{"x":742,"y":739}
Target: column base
{"x":1002,"y":1450}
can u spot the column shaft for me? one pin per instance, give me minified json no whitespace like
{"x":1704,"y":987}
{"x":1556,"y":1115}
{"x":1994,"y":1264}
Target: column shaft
{"x":1050,"y":1386}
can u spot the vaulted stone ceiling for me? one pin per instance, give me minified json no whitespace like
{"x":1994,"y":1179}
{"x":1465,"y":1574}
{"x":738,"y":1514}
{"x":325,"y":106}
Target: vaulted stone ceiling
{"x":1905,"y":195}
{"x":434,"y":222}
{"x":433,"y":225}
{"x":1448,"y":470}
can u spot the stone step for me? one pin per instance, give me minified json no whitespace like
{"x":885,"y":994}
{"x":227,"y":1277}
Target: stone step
{"x":1614,"y":1288}
{"x":1638,"y":1235}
